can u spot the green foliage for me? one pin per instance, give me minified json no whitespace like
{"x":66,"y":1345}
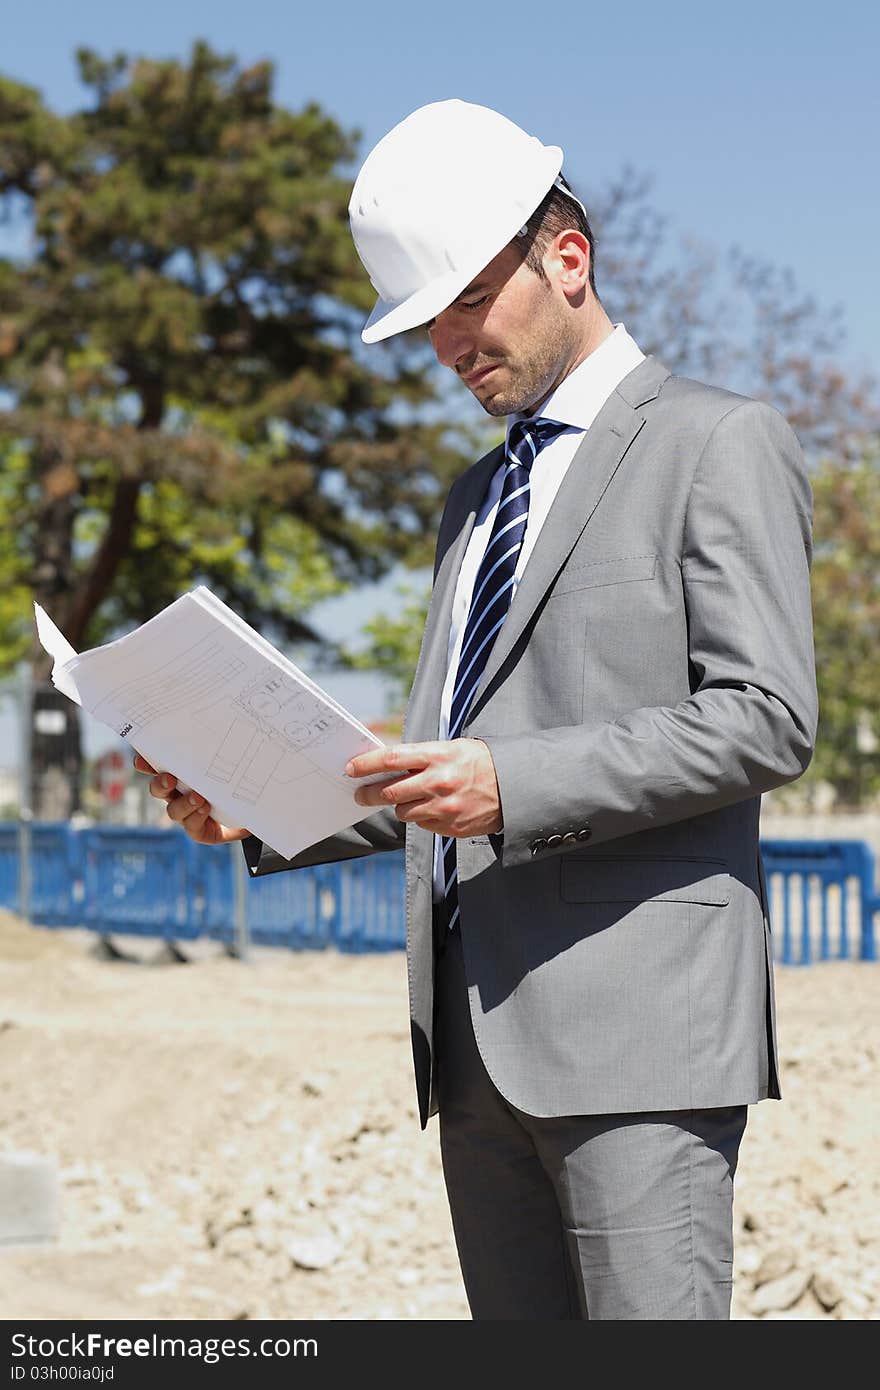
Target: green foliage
{"x":188,"y":396}
{"x":393,"y":643}
{"x":846,"y":621}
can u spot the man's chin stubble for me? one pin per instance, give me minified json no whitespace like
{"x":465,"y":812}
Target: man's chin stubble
{"x":496,"y":403}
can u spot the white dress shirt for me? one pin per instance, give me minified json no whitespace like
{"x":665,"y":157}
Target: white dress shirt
{"x":576,"y":402}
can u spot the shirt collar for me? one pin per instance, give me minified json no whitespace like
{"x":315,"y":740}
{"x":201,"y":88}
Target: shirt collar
{"x":580,"y":396}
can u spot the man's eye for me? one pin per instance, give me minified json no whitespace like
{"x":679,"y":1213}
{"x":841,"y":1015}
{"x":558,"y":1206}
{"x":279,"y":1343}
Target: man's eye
{"x":462,"y":304}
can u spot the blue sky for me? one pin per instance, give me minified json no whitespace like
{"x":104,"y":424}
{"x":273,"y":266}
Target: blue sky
{"x":758,"y":122}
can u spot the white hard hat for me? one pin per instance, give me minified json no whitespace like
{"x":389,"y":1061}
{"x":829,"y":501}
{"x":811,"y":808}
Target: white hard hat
{"x":436,"y":200}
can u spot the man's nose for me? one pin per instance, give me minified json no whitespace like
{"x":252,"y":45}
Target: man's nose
{"x":450,"y":341}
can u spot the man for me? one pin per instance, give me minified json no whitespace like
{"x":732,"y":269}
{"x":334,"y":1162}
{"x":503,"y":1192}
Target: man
{"x":617,"y":662}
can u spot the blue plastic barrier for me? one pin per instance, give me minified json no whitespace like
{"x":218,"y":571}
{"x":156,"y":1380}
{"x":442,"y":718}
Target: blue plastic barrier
{"x":827,"y":897}
{"x":372,"y":904}
{"x":57,"y":886}
{"x":9,"y":866}
{"x":138,"y":881}
{"x":298,"y":910}
{"x":56,"y":877}
{"x":212,"y":885}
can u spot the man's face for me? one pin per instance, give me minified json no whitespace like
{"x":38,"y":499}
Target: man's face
{"x":507,"y":336}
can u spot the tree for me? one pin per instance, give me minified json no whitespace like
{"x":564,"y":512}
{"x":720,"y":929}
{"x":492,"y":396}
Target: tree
{"x":393,"y":643}
{"x":187,"y":397}
{"x":846,"y":618}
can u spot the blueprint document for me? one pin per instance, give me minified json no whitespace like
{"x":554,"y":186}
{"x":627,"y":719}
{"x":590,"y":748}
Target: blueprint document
{"x":197,"y":692}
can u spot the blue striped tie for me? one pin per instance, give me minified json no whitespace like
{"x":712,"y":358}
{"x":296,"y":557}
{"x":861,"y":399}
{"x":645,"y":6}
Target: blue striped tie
{"x":492,"y":593}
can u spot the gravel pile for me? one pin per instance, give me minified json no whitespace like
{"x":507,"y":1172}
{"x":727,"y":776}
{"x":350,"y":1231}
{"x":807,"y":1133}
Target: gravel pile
{"x":239,"y":1140}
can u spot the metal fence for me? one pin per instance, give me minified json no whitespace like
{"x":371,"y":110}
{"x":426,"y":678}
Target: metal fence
{"x":157,"y":883}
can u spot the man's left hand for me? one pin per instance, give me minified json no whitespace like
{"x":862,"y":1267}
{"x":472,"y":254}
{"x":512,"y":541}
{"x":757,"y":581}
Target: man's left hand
{"x":448,"y":787}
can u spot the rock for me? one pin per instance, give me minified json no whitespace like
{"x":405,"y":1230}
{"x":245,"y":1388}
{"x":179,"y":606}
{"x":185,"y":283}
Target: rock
{"x":239,"y":1242}
{"x":107,"y":1207}
{"x":774,"y":1265}
{"x":368,"y":1206}
{"x":260,"y":1113}
{"x":779,"y":1294}
{"x":802,"y":1313}
{"x":854,"y":1304}
{"x":277,"y":1269}
{"x":317,"y":1251}
{"x":219,"y":1223}
{"x":315,"y":1084}
{"x":267,"y":1212}
{"x":267,"y":1237}
{"x":748,"y":1260}
{"x":79,"y":1175}
{"x":168,"y":1283}
{"x":189,"y":1186}
{"x":819,"y":1182}
{"x":827,"y":1291}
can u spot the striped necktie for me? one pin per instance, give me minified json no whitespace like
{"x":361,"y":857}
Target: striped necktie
{"x":492,"y":594}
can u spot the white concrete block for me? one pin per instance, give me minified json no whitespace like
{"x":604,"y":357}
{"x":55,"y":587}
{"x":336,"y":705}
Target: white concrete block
{"x":28,"y":1198}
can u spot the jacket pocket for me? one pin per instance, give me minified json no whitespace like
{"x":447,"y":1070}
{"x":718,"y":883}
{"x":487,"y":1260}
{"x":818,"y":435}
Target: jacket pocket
{"x":625,"y":879}
{"x":593,"y":573}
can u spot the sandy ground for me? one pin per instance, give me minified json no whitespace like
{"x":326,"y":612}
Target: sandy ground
{"x":239,"y":1140}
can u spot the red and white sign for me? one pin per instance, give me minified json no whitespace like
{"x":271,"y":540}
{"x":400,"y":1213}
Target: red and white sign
{"x":111,"y":775}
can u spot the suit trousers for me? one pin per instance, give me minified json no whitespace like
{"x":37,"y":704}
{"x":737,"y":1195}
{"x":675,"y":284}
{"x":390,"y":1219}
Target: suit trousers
{"x":624,"y":1216}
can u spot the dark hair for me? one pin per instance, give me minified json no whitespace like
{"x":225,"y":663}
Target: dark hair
{"x":554,"y":214}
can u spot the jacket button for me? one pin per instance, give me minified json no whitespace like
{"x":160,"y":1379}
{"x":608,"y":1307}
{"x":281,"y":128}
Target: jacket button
{"x":553,"y":841}
{"x":585,"y":832}
{"x":538,"y":845}
{"x":569,"y":838}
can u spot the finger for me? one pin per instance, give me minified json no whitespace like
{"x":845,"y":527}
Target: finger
{"x":189,"y":804}
{"x":424,"y":813}
{"x":402,"y":757}
{"x":176,"y":806}
{"x":141,"y":764}
{"x":163,"y":786}
{"x":213,"y":833}
{"x":200,"y":825}
{"x":385,"y":793}
{"x":191,"y":811}
{"x":226,"y":833}
{"x":204,"y":829}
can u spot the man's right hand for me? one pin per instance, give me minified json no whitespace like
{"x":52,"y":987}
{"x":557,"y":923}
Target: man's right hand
{"x":188,"y":809}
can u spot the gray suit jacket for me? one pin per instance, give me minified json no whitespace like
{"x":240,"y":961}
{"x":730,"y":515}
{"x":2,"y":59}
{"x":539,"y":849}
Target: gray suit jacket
{"x":654,"y":675}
